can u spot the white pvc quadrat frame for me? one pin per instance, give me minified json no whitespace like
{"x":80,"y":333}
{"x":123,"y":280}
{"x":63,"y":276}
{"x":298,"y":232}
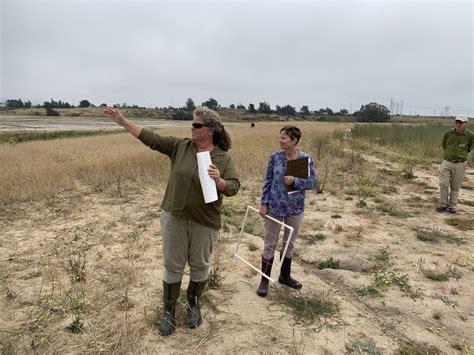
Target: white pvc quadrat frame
{"x":236,"y":254}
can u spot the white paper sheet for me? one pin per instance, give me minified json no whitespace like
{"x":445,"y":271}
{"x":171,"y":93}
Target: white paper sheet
{"x":208,"y":185}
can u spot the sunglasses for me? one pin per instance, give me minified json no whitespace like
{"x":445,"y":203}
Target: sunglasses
{"x":199,"y":125}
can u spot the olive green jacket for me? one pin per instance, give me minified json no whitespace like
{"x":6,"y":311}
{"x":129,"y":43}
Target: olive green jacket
{"x":183,"y":196}
{"x":457,"y":146}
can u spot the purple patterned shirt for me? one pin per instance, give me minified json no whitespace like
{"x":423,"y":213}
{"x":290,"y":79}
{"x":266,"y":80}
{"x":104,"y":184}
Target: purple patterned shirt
{"x":274,"y":194}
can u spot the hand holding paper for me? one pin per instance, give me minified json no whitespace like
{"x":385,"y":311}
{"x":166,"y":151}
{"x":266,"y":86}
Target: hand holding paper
{"x":213,"y":172}
{"x":208,"y":184}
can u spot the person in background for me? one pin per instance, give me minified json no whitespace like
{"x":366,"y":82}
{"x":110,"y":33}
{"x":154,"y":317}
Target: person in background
{"x":188,"y":224}
{"x":283,"y":206}
{"x":457,"y":143}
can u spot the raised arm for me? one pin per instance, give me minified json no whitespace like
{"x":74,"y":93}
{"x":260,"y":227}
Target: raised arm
{"x":116,"y":116}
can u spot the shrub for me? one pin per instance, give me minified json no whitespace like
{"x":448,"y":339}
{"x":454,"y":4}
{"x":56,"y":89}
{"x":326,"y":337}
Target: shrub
{"x":330,"y":263}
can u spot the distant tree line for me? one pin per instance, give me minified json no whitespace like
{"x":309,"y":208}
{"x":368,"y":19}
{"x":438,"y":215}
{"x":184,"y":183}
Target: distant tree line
{"x":372,"y":112}
{"x":17,"y":103}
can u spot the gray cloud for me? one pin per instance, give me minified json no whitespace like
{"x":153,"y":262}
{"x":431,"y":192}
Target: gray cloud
{"x":340,"y":55}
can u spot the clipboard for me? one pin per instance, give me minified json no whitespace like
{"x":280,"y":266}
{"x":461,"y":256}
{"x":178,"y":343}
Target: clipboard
{"x":298,"y":168}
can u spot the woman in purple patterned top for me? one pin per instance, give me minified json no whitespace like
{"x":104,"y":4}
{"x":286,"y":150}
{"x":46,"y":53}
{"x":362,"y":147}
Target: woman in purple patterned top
{"x":287,"y":207}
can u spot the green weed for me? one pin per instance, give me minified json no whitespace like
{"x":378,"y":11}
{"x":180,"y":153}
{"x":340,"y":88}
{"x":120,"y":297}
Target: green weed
{"x":417,"y":349}
{"x":445,"y":300}
{"x":359,"y":346}
{"x":369,"y":290}
{"x":381,"y":258}
{"x":312,"y":239}
{"x":388,"y":278}
{"x":461,"y":223}
{"x":308,"y":307}
{"x":393,"y":210}
{"x":361,"y":203}
{"x":76,"y":326}
{"x":436,"y":274}
{"x":366,"y":186}
{"x":435,"y":235}
{"x":330,"y":263}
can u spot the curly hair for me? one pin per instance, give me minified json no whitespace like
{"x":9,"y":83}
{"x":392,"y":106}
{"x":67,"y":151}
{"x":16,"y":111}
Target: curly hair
{"x":220,"y":136}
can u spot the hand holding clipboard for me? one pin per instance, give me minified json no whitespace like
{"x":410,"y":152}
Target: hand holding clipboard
{"x":298,"y":168}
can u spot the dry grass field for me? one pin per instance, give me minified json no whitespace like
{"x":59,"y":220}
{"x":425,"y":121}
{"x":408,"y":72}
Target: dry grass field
{"x":81,"y":264}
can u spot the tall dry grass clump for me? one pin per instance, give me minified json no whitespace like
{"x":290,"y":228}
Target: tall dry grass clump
{"x":41,"y":169}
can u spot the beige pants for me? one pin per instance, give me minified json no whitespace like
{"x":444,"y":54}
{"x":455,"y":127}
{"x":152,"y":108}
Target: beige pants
{"x":185,"y":242}
{"x":272,"y":230}
{"x":450,"y":179}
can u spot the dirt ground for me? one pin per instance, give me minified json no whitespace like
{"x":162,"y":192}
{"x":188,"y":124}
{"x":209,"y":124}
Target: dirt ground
{"x":115,"y":234}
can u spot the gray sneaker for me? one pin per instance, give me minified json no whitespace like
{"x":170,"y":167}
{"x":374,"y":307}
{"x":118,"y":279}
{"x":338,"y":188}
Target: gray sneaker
{"x":452,"y":210}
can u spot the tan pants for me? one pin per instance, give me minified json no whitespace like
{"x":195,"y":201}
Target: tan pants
{"x":450,"y":179}
{"x":185,"y":242}
{"x":272,"y":230}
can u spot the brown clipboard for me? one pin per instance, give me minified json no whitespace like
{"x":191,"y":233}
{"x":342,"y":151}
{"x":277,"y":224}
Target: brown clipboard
{"x":297,"y":168}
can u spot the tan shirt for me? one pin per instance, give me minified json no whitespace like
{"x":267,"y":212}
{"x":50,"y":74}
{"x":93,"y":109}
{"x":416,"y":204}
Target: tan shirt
{"x":183,"y":196}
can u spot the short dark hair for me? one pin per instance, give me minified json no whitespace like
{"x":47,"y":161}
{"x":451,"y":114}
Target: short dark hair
{"x":292,"y":131}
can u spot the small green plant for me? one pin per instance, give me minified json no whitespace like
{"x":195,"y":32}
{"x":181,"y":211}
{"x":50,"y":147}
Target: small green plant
{"x":251,"y":223}
{"x":253,"y":247}
{"x":417,"y":349}
{"x":330,"y":263}
{"x":461,"y":223}
{"x":313,"y":238}
{"x":308,"y":307}
{"x":369,"y":290}
{"x":382,"y":255}
{"x":320,"y":236}
{"x":230,"y":215}
{"x":361,"y":203}
{"x":436,"y":274}
{"x":72,"y":259}
{"x":389,"y":278}
{"x":248,"y":228}
{"x":366,"y":186}
{"x":336,"y":216}
{"x":392,"y":210}
{"x":76,"y":326}
{"x":133,"y":236}
{"x":435,"y":235}
{"x":359,"y":346}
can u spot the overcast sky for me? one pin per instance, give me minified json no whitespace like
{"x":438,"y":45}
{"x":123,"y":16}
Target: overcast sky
{"x":321,"y":54}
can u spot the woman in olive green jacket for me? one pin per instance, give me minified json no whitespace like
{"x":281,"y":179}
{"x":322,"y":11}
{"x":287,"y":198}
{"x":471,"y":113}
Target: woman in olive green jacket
{"x":188,"y":224}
